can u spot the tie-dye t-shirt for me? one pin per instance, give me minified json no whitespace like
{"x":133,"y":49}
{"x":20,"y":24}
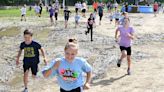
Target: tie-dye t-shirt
{"x":70,"y":75}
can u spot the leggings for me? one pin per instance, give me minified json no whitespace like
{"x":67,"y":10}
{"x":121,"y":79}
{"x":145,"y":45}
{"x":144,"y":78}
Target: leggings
{"x":56,"y":16}
{"x":90,"y":29}
{"x":101,"y":15}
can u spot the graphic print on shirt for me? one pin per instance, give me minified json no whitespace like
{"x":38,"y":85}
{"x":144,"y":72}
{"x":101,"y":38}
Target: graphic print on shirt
{"x":68,"y":75}
{"x":29,"y":52}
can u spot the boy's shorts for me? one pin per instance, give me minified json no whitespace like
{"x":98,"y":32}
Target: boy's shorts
{"x":83,"y":10}
{"x":56,"y":14}
{"x":95,"y":10}
{"x":76,"y":21}
{"x":155,"y":10}
{"x":23,"y":15}
{"x":51,"y":15}
{"x":128,"y":49}
{"x":76,"y":9}
{"x":31,"y":65}
{"x":66,"y":18}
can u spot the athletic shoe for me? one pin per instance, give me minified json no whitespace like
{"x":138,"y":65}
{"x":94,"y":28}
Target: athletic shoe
{"x":119,"y":63}
{"x":25,"y":90}
{"x":86,"y":32}
{"x":128,"y":72}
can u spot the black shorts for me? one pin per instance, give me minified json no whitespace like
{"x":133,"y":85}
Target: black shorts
{"x":83,"y":10}
{"x":100,"y":14}
{"x":155,"y":10}
{"x":56,"y":15}
{"x":51,"y":15}
{"x":117,"y":19}
{"x":95,"y":10}
{"x":66,"y":18}
{"x":32,"y":65}
{"x":76,"y":21}
{"x":40,"y":12}
{"x":23,"y":15}
{"x":76,"y":10}
{"x":73,"y":90}
{"x":128,"y":49}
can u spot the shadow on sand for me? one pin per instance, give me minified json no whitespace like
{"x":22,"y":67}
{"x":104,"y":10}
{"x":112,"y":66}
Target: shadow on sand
{"x":108,"y":81}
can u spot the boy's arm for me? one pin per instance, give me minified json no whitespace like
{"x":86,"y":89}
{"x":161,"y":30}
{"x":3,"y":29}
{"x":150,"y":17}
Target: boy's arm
{"x":18,"y":56}
{"x":43,"y":54}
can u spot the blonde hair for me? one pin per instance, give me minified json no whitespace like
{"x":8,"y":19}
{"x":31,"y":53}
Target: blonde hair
{"x":71,"y":43}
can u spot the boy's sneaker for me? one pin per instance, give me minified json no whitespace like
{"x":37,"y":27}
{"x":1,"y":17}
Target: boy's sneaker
{"x":25,"y":90}
{"x":86,"y":32}
{"x":128,"y":72}
{"x":119,"y":63}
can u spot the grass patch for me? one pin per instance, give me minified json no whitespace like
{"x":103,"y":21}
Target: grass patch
{"x":12,"y":31}
{"x":15,"y":12}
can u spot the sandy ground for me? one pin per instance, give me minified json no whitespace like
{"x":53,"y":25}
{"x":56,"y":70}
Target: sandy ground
{"x":102,"y":54}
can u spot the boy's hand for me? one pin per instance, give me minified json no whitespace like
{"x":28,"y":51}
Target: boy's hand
{"x":86,"y":86}
{"x":45,"y":61}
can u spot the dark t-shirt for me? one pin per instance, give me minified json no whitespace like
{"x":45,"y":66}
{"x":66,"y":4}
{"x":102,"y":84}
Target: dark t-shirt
{"x":66,"y":13}
{"x":31,"y":51}
{"x":100,"y":9}
{"x":91,"y":21}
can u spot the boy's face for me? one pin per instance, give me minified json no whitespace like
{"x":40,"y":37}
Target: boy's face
{"x":70,"y":53}
{"x":28,"y":38}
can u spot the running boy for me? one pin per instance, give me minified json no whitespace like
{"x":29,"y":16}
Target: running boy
{"x":84,"y":9}
{"x":51,"y":11}
{"x":37,"y":10}
{"x":77,"y":18}
{"x":76,"y":7}
{"x":23,"y":13}
{"x":90,"y":23}
{"x":41,"y":8}
{"x":155,"y":6}
{"x":111,"y":17}
{"x":70,"y":69}
{"x":117,"y":16}
{"x":56,"y":13}
{"x":126,"y":34}
{"x":66,"y":16}
{"x":100,"y":11}
{"x":31,"y":56}
{"x":95,"y":5}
